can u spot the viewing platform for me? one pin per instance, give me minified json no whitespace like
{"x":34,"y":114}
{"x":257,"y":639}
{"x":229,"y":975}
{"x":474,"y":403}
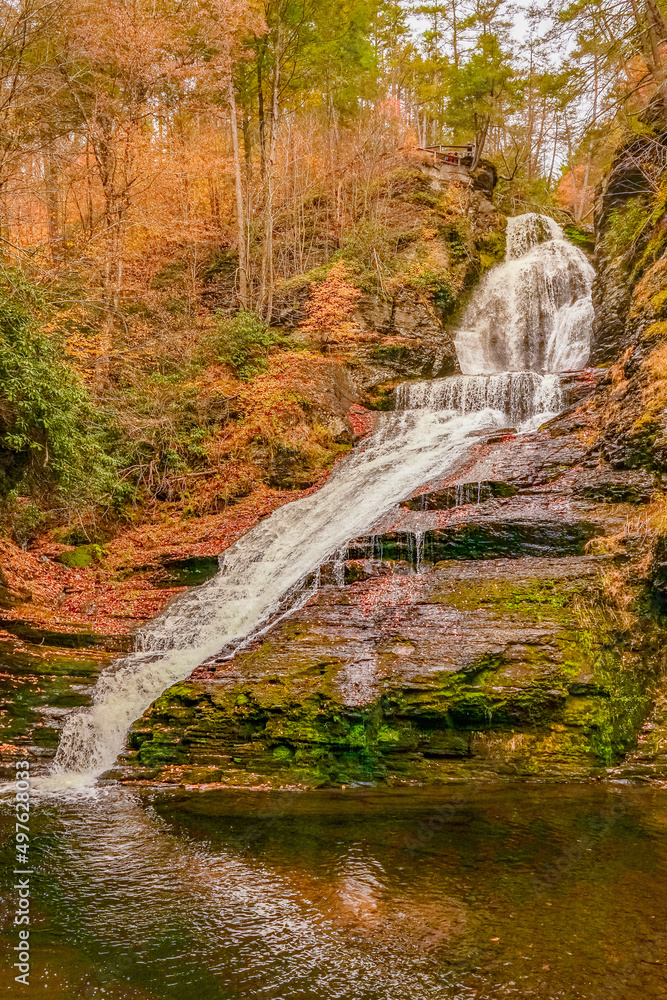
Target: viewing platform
{"x":456,"y":156}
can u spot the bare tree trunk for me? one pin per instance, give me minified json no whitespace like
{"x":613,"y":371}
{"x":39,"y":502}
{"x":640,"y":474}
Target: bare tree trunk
{"x":266,"y":298}
{"x":455,"y":35}
{"x":247,"y":148}
{"x":260,"y":111}
{"x":480,"y":141}
{"x":652,"y":29}
{"x":530,"y":122}
{"x":570,"y":160}
{"x":89,"y":192}
{"x":52,"y":196}
{"x":579,"y":210}
{"x":238,"y":189}
{"x":553,"y":155}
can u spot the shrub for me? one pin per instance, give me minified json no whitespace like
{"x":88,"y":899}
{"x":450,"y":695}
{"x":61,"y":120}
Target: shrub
{"x":330,"y":307}
{"x":52,"y":440}
{"x":243,"y":342}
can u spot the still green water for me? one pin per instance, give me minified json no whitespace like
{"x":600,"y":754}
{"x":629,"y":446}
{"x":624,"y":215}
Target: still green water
{"x":485,"y":892}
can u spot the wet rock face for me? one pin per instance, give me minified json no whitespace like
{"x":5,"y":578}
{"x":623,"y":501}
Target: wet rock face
{"x":630,"y":329}
{"x":498,"y":527}
{"x":612,"y":289}
{"x":479,"y":669}
{"x":371,"y":682}
{"x":485,"y":177}
{"x":658,"y":574}
{"x":611,"y":301}
{"x":425,"y":349}
{"x":426,"y":656}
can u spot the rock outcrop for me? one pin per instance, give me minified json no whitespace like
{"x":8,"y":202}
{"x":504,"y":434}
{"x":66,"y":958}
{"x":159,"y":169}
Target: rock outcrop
{"x":415,"y":267}
{"x":508,"y":619}
{"x":625,"y":184}
{"x":478,"y":633}
{"x":505,"y":620}
{"x":630,"y":335}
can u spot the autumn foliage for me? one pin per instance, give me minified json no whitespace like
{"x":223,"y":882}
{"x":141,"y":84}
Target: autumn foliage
{"x":170,"y":169}
{"x":330,"y":307}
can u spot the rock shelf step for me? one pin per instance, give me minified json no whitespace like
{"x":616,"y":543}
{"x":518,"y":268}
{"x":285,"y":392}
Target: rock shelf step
{"x":493,"y":540}
{"x":474,"y":670}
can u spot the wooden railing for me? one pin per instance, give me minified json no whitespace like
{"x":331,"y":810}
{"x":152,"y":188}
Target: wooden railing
{"x":456,"y":155}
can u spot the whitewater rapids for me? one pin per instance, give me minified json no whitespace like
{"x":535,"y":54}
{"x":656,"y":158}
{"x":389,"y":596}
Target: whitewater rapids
{"x":263,"y":574}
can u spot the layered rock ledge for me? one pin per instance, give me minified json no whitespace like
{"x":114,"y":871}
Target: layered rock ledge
{"x":477,"y":632}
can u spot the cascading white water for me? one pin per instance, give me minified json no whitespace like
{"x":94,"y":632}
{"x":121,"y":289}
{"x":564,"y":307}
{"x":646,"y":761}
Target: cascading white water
{"x":530,"y":315}
{"x":262,"y":573}
{"x":534,"y":312}
{"x":522,"y":396}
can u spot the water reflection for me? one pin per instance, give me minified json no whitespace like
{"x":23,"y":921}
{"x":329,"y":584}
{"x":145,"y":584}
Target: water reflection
{"x":524,"y":891}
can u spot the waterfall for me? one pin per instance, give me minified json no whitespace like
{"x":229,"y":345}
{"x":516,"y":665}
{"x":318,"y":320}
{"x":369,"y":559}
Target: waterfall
{"x":529,"y":319}
{"x":534,"y":312}
{"x":264,"y":574}
{"x":522,"y":396}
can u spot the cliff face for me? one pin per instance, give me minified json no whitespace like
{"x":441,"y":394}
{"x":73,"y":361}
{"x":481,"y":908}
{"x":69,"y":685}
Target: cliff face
{"x":527,"y":635}
{"x":503,"y":646}
{"x":612,"y":291}
{"x":630,"y":296}
{"x":414,"y":264}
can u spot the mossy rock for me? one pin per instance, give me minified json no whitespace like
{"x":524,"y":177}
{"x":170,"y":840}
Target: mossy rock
{"x":582,"y":238}
{"x":391,"y":352}
{"x":189,"y":572}
{"x":617,"y":493}
{"x":83,"y":556}
{"x":37,"y":634}
{"x":493,"y":540}
{"x":492,"y":249}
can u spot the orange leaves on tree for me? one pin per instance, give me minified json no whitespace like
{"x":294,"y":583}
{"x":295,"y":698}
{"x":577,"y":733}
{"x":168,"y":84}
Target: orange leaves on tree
{"x":330,"y":307}
{"x":576,"y":190}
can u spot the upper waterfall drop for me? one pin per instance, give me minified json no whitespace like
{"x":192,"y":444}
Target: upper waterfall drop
{"x":533,"y":312}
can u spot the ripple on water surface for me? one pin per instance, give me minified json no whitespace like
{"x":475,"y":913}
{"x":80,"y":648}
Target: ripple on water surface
{"x":515,"y":890}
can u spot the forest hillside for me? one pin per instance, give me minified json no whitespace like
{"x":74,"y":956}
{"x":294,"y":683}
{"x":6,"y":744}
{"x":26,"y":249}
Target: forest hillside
{"x":229,"y":229}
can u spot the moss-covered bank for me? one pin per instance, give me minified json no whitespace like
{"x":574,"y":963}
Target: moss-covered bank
{"x":506,"y":668}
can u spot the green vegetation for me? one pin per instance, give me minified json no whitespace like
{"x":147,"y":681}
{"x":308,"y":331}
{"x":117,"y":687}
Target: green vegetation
{"x":53,"y":441}
{"x":534,"y":600}
{"x":582,"y":238}
{"x":82,"y":556}
{"x":625,"y":227}
{"x":243,"y":342}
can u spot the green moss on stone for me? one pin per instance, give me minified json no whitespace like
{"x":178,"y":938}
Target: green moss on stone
{"x":82,"y":556}
{"x":571,"y":701}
